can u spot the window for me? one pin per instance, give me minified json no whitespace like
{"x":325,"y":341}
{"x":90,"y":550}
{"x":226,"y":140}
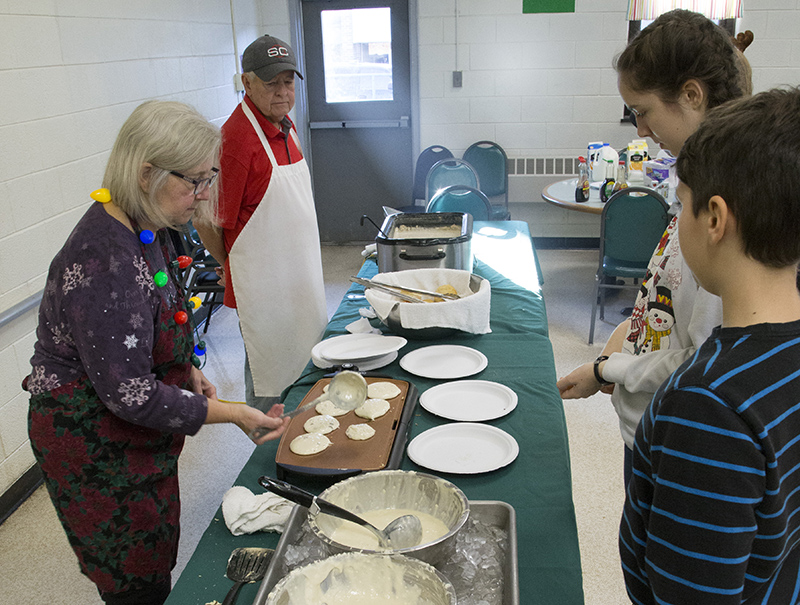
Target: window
{"x":713,"y":9}
{"x":357,"y":55}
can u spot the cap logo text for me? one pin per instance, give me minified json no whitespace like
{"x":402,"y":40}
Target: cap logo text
{"x":277,"y":51}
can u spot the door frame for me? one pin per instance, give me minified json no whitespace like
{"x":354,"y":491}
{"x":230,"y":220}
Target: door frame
{"x":302,"y":121}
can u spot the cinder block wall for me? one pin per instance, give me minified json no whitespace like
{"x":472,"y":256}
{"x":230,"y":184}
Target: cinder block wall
{"x":70,"y":74}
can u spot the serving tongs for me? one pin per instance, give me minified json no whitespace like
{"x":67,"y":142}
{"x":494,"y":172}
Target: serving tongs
{"x":398,"y":290}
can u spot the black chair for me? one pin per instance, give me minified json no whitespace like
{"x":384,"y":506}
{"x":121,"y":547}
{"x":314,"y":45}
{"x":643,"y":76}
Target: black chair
{"x":200,"y":278}
{"x":427,"y":158}
{"x":632,"y":223}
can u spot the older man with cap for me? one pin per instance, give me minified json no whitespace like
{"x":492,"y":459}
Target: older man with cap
{"x":267,"y":234}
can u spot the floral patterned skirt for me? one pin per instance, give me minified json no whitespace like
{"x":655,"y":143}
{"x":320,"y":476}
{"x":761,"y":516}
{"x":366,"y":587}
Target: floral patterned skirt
{"x":114,"y":485}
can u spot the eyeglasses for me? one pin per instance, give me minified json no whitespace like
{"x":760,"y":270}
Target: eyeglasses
{"x":200,"y":185}
{"x":632,"y":114}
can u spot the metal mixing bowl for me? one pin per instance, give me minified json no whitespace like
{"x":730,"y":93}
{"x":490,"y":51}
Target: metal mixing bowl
{"x":349,"y":575}
{"x":398,"y":489}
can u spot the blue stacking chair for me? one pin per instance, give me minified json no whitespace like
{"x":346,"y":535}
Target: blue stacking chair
{"x":491,"y":163}
{"x":631,"y":225}
{"x":461,"y":198}
{"x":427,"y":158}
{"x":451,"y":171}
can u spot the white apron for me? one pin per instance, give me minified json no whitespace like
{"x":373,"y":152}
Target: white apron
{"x":276,"y":272}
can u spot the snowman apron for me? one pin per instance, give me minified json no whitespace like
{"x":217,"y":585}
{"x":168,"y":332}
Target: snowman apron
{"x":276,"y":272}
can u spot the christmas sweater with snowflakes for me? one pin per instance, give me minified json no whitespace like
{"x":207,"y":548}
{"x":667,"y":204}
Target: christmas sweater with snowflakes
{"x":101,"y":319}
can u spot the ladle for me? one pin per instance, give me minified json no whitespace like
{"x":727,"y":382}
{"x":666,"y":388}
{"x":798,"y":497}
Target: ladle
{"x":403,"y":532}
{"x":347,"y":391}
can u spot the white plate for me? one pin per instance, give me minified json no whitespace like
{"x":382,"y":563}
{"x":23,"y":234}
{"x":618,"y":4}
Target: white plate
{"x":472,"y":400}
{"x":363,"y":365}
{"x":357,"y":347}
{"x":463,"y":448}
{"x":444,"y":362}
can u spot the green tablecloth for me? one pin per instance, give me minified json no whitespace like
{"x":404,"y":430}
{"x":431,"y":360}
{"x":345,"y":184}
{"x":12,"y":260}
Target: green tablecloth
{"x":537,"y":484}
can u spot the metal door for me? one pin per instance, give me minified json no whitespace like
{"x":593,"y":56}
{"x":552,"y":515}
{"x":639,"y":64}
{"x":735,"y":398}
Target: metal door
{"x":357,"y":71}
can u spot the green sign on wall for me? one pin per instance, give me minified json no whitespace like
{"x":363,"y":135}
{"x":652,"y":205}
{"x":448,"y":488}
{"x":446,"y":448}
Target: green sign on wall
{"x":548,"y":6}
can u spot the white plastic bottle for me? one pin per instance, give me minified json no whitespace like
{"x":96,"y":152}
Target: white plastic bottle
{"x":582,"y":184}
{"x":607,"y":163}
{"x":593,"y":158}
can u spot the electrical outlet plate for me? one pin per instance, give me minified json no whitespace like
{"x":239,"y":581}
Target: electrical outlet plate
{"x":237,"y":83}
{"x":457,"y":79}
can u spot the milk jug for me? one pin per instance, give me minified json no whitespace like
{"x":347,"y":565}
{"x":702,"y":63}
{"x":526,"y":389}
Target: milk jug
{"x":606,"y":164}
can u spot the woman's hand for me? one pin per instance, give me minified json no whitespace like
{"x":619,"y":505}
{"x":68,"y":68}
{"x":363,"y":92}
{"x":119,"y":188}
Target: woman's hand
{"x":251,"y":419}
{"x":199,"y":384}
{"x":248,"y":419}
{"x":580,"y":383}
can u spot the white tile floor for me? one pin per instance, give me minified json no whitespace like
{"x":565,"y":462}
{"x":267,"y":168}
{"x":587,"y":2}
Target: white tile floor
{"x":39,"y":567}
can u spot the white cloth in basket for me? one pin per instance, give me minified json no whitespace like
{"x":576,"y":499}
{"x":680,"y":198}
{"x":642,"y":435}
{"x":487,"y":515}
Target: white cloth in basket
{"x":468,"y":314}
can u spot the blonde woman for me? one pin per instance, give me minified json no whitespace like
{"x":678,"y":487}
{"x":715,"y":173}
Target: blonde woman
{"x":113,"y":388}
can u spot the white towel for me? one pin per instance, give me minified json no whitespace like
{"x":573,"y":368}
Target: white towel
{"x":361,"y":326}
{"x":468,"y":314}
{"x":246,"y":513}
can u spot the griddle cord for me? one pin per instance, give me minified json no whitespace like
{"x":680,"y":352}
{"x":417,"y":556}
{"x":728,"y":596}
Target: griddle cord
{"x":364,"y":216}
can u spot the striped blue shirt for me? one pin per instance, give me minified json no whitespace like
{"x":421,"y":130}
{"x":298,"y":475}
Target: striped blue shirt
{"x":712,"y":513}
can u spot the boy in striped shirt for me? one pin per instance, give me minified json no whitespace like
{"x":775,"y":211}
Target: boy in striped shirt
{"x":712,"y":513}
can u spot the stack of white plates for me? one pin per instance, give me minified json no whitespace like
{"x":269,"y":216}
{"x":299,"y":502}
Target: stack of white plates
{"x":366,"y":351}
{"x":466,"y":446}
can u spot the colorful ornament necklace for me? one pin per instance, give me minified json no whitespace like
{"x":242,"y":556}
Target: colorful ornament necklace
{"x":167,"y":282}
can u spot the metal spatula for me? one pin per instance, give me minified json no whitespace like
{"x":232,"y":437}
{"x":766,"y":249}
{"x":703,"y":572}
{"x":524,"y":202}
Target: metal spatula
{"x":246,"y":565}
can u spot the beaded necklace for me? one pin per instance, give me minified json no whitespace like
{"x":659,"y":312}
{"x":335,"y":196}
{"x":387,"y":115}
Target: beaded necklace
{"x":167,"y":277}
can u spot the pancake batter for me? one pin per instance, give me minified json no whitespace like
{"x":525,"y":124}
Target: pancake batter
{"x":356,"y":536}
{"x":329,"y":408}
{"x":321,"y":424}
{"x":383,"y":390}
{"x":360,"y":432}
{"x":372,"y":409}
{"x":345,"y":580}
{"x":309,"y":443}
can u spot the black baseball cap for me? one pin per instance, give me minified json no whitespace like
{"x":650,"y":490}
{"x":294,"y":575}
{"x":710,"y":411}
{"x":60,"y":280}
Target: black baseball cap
{"x":268,"y":56}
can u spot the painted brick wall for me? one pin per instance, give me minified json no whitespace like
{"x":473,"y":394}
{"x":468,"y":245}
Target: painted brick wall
{"x":542,"y":85}
{"x":70,"y":73}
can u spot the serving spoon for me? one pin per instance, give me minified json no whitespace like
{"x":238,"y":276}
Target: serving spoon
{"x":347,"y":391}
{"x":403,"y":532}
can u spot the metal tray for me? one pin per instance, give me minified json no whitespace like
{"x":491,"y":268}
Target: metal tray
{"x":493,"y":513}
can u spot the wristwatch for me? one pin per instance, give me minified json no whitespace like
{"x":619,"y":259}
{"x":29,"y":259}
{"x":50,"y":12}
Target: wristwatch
{"x":596,"y":367}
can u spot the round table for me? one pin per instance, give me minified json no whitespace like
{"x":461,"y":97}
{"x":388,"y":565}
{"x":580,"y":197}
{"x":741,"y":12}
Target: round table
{"x":562,"y":193}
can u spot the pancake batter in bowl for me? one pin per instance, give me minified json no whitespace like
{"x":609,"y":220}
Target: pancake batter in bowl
{"x":355,"y":536}
{"x":344,"y":580}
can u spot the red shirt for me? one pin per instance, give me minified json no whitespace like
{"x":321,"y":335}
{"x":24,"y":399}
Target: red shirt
{"x":245,"y":172}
